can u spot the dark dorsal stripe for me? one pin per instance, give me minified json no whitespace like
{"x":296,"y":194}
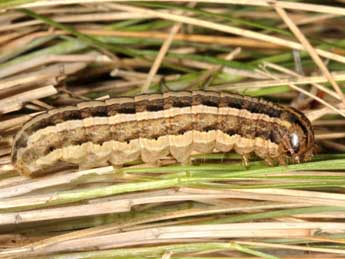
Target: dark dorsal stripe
{"x":178,"y":99}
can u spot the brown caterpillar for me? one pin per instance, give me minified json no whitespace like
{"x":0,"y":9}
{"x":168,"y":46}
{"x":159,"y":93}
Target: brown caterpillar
{"x":152,"y":126}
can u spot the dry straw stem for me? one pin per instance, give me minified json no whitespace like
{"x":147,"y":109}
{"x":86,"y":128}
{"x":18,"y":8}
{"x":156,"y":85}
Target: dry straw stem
{"x":337,"y":122}
{"x":51,"y":199}
{"x":195,"y":232}
{"x":115,"y":86}
{"x":308,"y":196}
{"x":37,"y":105}
{"x":310,"y":19}
{"x":292,"y":247}
{"x":293,"y":86}
{"x":118,"y":227}
{"x":24,"y":37}
{"x":333,"y":135}
{"x":226,"y":29}
{"x":126,"y":204}
{"x":314,"y":55}
{"x":65,"y":197}
{"x":282,"y":4}
{"x":174,"y":234}
{"x":316,"y":114}
{"x":10,"y":36}
{"x":28,"y":185}
{"x":193,"y":251}
{"x":80,"y":18}
{"x":290,"y":72}
{"x":16,"y":102}
{"x":302,"y":80}
{"x":162,"y":52}
{"x":25,"y":185}
{"x":92,"y":57}
{"x":52,"y":73}
{"x":16,"y":122}
{"x":211,"y":70}
{"x":144,"y":251}
{"x":159,"y":59}
{"x":126,"y":225}
{"x":131,"y":75}
{"x":11,"y":180}
{"x":281,"y":195}
{"x":329,"y":215}
{"x":214,"y":39}
{"x":63,"y":213}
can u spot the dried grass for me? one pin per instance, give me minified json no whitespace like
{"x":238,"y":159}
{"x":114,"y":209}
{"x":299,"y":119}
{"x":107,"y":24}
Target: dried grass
{"x":62,"y":52}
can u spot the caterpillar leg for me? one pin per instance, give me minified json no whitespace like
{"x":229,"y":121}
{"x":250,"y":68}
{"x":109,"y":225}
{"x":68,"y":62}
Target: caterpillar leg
{"x":269,"y":161}
{"x":282,"y":160}
{"x":245,"y":158}
{"x":188,"y":161}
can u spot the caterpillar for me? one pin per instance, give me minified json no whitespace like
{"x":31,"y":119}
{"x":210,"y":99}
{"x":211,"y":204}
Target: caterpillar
{"x":152,"y":126}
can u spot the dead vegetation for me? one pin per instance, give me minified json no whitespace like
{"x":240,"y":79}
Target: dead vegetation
{"x":55,"y":53}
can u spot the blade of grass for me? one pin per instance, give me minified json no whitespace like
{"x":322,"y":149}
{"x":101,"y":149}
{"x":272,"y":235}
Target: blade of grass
{"x":276,"y":214}
{"x":89,"y":40}
{"x":226,"y":17}
{"x":12,"y":3}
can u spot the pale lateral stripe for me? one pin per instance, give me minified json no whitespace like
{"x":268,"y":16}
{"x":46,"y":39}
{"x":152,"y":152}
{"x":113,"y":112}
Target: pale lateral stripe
{"x":108,"y":102}
{"x":89,"y":104}
{"x":172,"y":112}
{"x":151,"y":150}
{"x":121,"y":117}
{"x":197,"y":109}
{"x":147,"y":98}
